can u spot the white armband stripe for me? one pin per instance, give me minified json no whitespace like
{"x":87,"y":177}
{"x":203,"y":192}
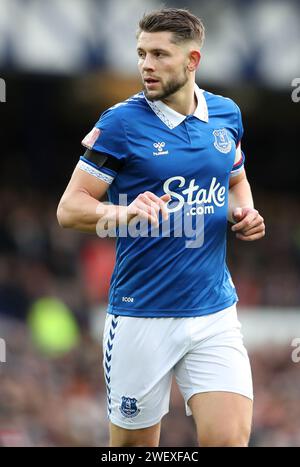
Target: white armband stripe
{"x":96,"y":173}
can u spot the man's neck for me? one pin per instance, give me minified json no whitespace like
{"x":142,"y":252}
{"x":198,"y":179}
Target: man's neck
{"x":183,"y":101}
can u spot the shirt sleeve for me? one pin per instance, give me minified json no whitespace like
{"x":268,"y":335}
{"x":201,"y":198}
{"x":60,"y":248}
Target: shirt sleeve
{"x":239,"y":159}
{"x":109,"y":139}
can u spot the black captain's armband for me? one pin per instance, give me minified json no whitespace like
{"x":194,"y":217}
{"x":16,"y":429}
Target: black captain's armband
{"x":100,"y":159}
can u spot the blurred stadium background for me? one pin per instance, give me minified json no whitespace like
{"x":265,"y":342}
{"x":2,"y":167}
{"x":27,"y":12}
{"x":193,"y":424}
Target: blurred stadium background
{"x":64,"y":62}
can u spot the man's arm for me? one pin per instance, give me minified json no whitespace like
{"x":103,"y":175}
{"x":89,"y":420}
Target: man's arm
{"x":248,"y":223}
{"x":80,"y":208}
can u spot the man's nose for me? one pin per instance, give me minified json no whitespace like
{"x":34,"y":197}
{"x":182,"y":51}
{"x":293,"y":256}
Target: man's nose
{"x":148,"y":63}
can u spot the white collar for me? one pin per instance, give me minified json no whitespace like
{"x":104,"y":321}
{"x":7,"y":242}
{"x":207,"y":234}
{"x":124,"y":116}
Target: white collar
{"x":171,"y":118}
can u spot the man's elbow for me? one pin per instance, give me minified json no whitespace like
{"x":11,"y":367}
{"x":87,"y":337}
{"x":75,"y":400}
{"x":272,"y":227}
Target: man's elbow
{"x":63,"y":216}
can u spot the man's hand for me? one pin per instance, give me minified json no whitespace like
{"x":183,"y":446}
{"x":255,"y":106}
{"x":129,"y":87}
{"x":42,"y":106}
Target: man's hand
{"x":147,"y":206}
{"x":249,"y":224}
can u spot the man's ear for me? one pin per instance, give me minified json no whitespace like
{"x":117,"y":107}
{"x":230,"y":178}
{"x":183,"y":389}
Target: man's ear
{"x":194,"y":60}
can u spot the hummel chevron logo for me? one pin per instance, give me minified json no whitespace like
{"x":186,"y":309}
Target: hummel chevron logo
{"x":110,"y":346}
{"x":108,"y":357}
{"x":160,"y":148}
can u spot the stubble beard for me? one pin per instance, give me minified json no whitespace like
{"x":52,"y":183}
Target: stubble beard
{"x":172,"y":86}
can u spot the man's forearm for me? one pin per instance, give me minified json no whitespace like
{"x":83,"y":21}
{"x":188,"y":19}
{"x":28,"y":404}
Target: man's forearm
{"x":80,"y":211}
{"x":239,"y":196}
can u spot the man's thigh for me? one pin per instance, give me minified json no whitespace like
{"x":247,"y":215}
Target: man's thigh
{"x":222,"y":419}
{"x":145,"y":437}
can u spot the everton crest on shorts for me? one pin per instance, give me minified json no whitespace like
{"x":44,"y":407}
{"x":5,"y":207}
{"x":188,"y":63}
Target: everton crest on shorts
{"x":128,"y":407}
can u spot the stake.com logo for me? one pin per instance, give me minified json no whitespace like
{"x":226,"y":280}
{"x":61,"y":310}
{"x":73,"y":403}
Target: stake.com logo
{"x":213,"y":196}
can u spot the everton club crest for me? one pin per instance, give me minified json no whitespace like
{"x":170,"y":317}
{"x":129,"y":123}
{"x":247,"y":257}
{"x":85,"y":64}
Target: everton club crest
{"x":128,"y":407}
{"x":222,"y":142}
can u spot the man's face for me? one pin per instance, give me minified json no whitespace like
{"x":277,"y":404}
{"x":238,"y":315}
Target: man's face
{"x":162,"y":64}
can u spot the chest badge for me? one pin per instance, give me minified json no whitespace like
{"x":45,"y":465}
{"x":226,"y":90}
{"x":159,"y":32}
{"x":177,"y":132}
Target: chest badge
{"x":222,"y":142}
{"x":160,"y":151}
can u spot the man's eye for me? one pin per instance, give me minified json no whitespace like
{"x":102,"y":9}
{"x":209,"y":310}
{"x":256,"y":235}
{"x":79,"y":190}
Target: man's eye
{"x":141,"y":55}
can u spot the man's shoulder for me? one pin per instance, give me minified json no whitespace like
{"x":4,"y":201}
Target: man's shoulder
{"x":219,"y":102}
{"x":131,"y":106}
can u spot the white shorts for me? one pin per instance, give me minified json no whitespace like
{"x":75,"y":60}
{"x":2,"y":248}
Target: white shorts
{"x":140,"y":356}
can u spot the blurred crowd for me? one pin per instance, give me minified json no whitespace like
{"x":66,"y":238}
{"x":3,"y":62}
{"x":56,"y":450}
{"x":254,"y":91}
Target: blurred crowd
{"x":38,"y":258}
{"x":276,"y":380}
{"x":48,"y":400}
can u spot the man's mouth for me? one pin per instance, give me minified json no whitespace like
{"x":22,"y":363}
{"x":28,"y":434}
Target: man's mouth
{"x":151,"y":80}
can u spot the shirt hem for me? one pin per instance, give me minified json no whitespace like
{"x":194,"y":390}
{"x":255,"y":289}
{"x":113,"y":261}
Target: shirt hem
{"x":182,"y":313}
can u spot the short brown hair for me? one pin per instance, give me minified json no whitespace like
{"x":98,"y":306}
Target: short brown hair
{"x":182,"y":23}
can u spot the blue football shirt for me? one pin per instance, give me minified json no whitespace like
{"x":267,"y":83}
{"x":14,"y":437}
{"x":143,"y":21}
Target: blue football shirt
{"x":179,"y":271}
